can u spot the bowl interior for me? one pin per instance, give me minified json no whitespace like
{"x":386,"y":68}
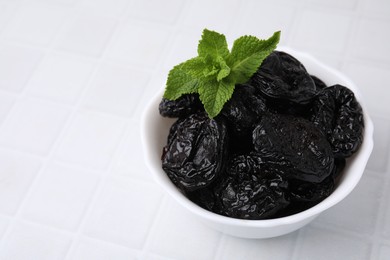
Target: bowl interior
{"x":155,"y":129}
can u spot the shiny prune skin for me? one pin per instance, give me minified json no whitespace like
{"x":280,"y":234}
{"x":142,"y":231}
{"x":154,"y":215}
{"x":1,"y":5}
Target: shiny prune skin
{"x":318,"y":82}
{"x":242,"y":112}
{"x":196,"y":151}
{"x":183,"y":106}
{"x":284,"y":79}
{"x":250,"y":191}
{"x":294,"y":143}
{"x":339,"y":115}
{"x":243,"y":109}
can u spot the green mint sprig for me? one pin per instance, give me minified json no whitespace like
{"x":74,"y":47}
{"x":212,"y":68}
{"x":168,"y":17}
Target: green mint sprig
{"x":214,"y":73}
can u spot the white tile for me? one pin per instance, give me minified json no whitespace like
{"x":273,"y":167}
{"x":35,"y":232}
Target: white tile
{"x":58,"y":2}
{"x":7,"y":11}
{"x":149,"y":256}
{"x":6,"y":102}
{"x":35,"y":24}
{"x":139,"y":43}
{"x":264,"y":24}
{"x":98,"y":250}
{"x":184,"y":47}
{"x":87,"y":34}
{"x":17,"y":64}
{"x":33,"y":125}
{"x":131,"y":162}
{"x":167,"y":11}
{"x":116,"y":90}
{"x":209,"y":14}
{"x":380,"y":154}
{"x":371,"y":41}
{"x":384,"y":252}
{"x":4,"y":222}
{"x":61,"y":78}
{"x":90,"y":140}
{"x":123,"y":212}
{"x":345,"y":4}
{"x":16,"y":175}
{"x":27,"y":241}
{"x":322,"y":244}
{"x":312,"y":32}
{"x":377,"y":7}
{"x":386,"y":224}
{"x":60,"y":196}
{"x":370,"y":77}
{"x":115,"y":8}
{"x":252,"y":249}
{"x":364,"y":202}
{"x":179,"y":236}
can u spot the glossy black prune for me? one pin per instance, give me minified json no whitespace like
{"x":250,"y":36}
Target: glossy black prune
{"x":277,"y":147}
{"x":339,"y":115}
{"x":283,"y":78}
{"x":183,"y":106}
{"x":294,"y":143}
{"x":196,"y":150}
{"x":241,"y":112}
{"x":243,"y":109}
{"x":250,"y":191}
{"x":318,"y":82}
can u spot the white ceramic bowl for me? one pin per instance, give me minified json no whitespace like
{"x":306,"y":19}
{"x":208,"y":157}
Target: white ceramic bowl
{"x":154,"y":137}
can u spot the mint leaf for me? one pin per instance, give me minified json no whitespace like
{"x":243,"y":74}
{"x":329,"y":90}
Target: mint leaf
{"x":214,"y":95}
{"x":224,"y":69}
{"x":214,"y":73}
{"x":248,"y":53}
{"x":213,"y":44}
{"x":184,"y":78}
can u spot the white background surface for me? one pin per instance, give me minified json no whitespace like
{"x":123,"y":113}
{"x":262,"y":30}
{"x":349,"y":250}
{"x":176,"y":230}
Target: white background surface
{"x":74,"y":77}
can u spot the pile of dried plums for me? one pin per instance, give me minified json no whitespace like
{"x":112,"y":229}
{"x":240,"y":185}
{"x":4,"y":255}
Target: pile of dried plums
{"x":277,"y":147}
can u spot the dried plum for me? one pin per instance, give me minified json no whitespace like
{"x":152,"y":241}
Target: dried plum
{"x":295,"y":143}
{"x":283,"y":78}
{"x":194,"y":156}
{"x":249,"y":191}
{"x":339,"y":115}
{"x":183,"y":106}
{"x":276,"y":149}
{"x":318,"y":82}
{"x":242,"y":111}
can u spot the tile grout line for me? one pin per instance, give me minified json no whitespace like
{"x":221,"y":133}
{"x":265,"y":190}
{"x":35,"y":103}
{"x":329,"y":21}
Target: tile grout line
{"x":74,"y":108}
{"x":151,"y":231}
{"x":159,"y":67}
{"x":380,"y":219}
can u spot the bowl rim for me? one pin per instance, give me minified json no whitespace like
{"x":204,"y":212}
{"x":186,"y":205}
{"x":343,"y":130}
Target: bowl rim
{"x":337,"y":195}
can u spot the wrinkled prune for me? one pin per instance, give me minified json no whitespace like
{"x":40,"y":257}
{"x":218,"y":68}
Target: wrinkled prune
{"x":339,"y":115}
{"x":319,"y":83}
{"x":295,"y":143}
{"x":183,"y":106}
{"x":250,"y":191}
{"x":277,"y":147}
{"x":283,"y":78}
{"x":303,"y":191}
{"x":196,"y":151}
{"x":242,"y":111}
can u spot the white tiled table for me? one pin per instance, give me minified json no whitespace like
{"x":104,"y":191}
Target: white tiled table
{"x":74,"y":78}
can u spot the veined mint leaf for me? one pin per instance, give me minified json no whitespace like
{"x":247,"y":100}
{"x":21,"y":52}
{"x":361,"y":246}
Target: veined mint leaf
{"x":248,"y":53}
{"x":224,"y":69}
{"x":216,"y":68}
{"x":184,"y":78}
{"x":214,"y":73}
{"x":214,"y":95}
{"x":213,"y":44}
